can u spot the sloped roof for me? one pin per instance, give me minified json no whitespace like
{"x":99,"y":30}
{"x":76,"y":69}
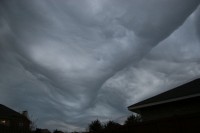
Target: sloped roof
{"x":6,"y":112}
{"x":188,"y":90}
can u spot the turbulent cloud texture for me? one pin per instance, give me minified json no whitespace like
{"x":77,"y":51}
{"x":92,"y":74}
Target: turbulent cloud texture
{"x":71,"y":61}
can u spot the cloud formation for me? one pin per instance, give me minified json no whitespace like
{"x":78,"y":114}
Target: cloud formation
{"x":70,"y":62}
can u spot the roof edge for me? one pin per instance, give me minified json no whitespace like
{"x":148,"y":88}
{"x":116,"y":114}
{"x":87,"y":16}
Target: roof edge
{"x":17,"y":114}
{"x":162,"y":102}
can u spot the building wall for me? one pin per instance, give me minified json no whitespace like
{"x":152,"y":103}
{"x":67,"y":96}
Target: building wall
{"x":173,"y":109}
{"x":14,"y":122}
{"x":189,"y":124}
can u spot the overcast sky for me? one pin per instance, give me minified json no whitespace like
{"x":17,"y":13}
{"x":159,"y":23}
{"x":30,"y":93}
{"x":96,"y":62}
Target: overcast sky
{"x":69,"y":62}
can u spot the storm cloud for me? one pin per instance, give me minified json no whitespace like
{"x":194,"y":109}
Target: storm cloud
{"x":71,"y":61}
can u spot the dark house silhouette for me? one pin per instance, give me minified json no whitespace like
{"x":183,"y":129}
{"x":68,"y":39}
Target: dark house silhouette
{"x":177,"y":108}
{"x":12,"y":119}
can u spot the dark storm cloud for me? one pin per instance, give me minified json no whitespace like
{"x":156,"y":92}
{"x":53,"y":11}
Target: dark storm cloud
{"x":198,"y":21}
{"x":55,"y":56}
{"x":174,"y":61}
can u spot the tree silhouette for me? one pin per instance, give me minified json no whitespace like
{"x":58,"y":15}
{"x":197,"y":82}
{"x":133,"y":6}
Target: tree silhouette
{"x":95,"y":126}
{"x":112,"y":127}
{"x":132,"y":120}
{"x":57,"y":131}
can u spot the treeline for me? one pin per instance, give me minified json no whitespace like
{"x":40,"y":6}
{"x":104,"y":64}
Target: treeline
{"x":96,"y":126}
{"x":113,"y":127}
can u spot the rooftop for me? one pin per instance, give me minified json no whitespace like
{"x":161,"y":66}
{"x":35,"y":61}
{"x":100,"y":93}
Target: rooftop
{"x":188,"y":90}
{"x":9,"y":113}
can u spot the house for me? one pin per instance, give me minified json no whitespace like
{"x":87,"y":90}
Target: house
{"x":182,"y":100}
{"x":176,"y":110}
{"x":12,"y":119}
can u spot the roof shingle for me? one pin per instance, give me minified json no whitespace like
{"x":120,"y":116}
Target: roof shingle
{"x":191,"y":88}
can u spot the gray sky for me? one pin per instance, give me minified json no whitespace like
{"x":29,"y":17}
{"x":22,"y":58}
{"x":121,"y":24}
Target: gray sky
{"x":69,"y":62}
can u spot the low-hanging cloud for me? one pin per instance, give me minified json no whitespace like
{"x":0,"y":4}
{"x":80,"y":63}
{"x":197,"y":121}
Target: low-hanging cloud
{"x":56,"y":55}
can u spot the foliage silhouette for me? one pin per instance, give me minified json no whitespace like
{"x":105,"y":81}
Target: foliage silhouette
{"x":112,"y":127}
{"x":132,"y":120}
{"x":57,"y":131}
{"x":95,"y":126}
